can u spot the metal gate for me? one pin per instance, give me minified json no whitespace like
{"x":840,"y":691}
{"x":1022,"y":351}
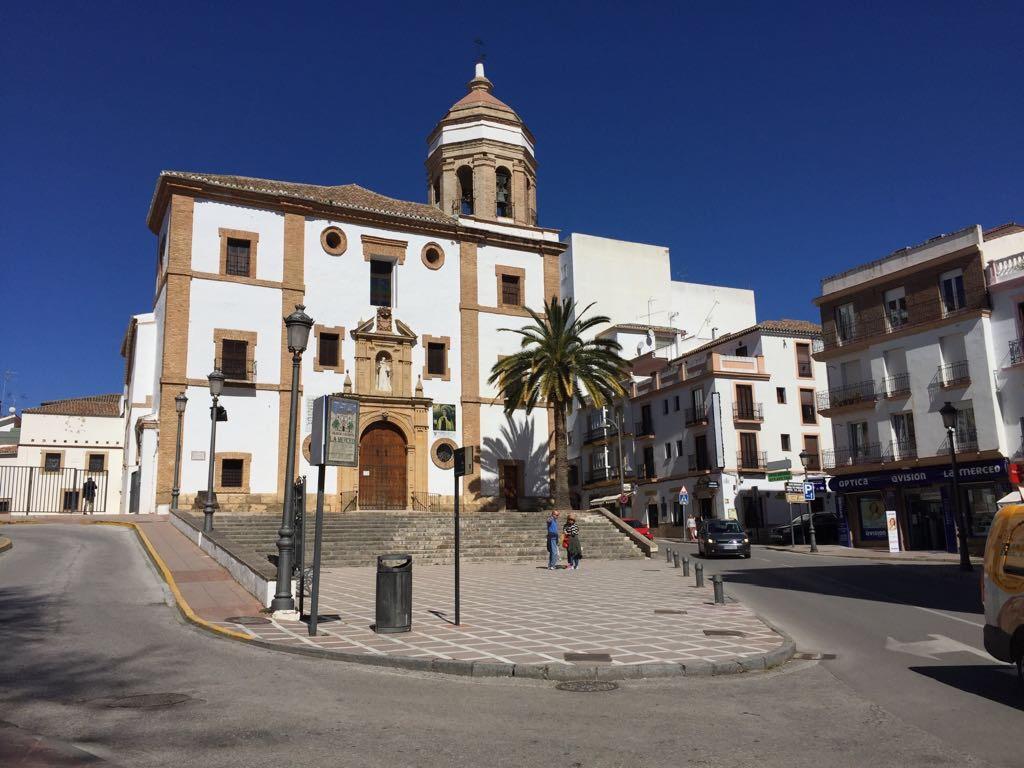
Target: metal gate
{"x":33,"y":489}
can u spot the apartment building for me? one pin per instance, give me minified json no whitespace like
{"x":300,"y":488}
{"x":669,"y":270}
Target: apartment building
{"x":902,"y":336}
{"x":710,"y":420}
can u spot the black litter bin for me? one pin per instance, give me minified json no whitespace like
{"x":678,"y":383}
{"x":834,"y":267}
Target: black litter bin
{"x":394,"y":593}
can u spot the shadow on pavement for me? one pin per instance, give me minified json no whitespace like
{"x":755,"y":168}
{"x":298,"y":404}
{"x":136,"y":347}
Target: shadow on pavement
{"x":939,"y":587}
{"x":995,"y":682}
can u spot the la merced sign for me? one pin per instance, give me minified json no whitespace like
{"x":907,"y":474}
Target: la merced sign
{"x":979,"y":471}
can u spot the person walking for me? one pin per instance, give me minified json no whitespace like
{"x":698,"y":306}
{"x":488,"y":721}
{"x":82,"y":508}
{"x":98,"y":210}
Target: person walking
{"x":691,"y":528}
{"x":573,"y":550}
{"x":553,"y":541}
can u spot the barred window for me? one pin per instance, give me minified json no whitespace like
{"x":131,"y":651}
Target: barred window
{"x":97,"y":462}
{"x":328,"y":349}
{"x":231,"y":472}
{"x":233,"y":361}
{"x":511,"y":293}
{"x":51,"y":462}
{"x":238,"y":261}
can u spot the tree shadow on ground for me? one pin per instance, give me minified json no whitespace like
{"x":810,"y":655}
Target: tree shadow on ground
{"x":938,"y":587}
{"x":995,"y":682}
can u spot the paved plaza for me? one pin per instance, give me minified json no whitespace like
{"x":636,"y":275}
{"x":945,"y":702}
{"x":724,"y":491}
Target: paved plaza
{"x":634,"y":611}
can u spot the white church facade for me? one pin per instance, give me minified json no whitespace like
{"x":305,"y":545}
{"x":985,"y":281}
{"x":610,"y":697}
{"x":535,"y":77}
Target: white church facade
{"x":407,"y":299}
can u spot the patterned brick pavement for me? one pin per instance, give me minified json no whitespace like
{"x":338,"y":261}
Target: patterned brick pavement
{"x":523,"y":614}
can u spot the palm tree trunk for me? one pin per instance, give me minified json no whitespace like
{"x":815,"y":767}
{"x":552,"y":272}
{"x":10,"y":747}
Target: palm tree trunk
{"x":562,"y":500}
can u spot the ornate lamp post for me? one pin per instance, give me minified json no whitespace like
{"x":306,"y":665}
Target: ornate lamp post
{"x":805,"y":458}
{"x":298,"y":325}
{"x":179,"y":405}
{"x":216,"y":380}
{"x":948,"y":413}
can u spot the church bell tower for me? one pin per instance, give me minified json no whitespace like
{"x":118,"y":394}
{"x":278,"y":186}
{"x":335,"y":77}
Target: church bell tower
{"x":480,"y":159}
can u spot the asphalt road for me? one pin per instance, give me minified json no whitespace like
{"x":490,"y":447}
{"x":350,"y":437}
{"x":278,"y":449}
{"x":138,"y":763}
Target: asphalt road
{"x":906,"y":636}
{"x":84,"y":620}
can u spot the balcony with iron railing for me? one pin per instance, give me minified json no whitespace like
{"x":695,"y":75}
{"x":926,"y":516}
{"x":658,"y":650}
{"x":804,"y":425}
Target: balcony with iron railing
{"x":751,"y":461}
{"x":752,"y":412}
{"x":236,"y":369}
{"x":643,"y":428}
{"x":647,"y":471}
{"x":899,"y":450}
{"x":966,"y":442}
{"x":606,"y":474}
{"x":897,"y":385}
{"x":953,"y":375}
{"x":595,"y":434}
{"x":862,"y":394}
{"x":696,"y":462}
{"x":694,"y":416}
{"x":870,"y":453}
{"x":804,"y":369}
{"x":877,"y":322}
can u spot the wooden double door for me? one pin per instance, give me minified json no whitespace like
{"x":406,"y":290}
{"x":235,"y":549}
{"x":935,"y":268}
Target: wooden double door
{"x":383,"y":468}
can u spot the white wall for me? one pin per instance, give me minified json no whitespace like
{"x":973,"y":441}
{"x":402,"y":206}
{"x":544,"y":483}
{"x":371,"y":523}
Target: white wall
{"x":704,"y":307}
{"x":520,"y":437}
{"x":208,"y":217}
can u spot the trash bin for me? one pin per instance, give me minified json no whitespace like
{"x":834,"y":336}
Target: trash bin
{"x":394,"y":593}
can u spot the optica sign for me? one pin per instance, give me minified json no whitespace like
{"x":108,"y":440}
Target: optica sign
{"x":978,"y":471}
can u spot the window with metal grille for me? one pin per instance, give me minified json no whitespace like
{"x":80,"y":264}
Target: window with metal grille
{"x":380,"y":282}
{"x":5,"y":505}
{"x":511,"y":293}
{"x":233,"y":354}
{"x":329,"y":349}
{"x":70,"y":501}
{"x":97,"y":462}
{"x":231,"y":473}
{"x":238,"y":257}
{"x":437,"y":365}
{"x":51,"y":462}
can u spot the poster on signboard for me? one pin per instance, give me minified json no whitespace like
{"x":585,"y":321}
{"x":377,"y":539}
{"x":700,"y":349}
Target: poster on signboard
{"x":342,"y":426}
{"x":872,"y":518}
{"x":893,"y":529}
{"x":444,"y":417}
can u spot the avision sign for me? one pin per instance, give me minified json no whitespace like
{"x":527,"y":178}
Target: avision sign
{"x":973,"y":472}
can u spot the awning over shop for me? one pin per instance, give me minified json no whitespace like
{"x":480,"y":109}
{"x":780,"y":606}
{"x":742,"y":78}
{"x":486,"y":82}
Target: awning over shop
{"x":602,"y":500}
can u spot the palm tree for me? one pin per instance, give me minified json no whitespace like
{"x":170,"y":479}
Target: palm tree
{"x":556,"y":365}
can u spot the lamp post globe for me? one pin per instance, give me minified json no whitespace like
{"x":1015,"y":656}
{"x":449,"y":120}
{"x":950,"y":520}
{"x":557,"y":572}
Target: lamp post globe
{"x":297,"y":326}
{"x":216,"y":379}
{"x":949,"y":414}
{"x":805,"y":459}
{"x":180,"y":401}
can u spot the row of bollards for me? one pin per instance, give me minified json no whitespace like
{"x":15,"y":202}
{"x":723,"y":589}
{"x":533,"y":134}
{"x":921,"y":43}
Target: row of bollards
{"x":717,"y":582}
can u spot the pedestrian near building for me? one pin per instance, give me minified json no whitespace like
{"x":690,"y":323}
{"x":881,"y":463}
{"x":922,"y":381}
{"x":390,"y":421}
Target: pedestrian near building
{"x":691,"y":528}
{"x":89,"y":495}
{"x":553,"y":541}
{"x":573,"y":550}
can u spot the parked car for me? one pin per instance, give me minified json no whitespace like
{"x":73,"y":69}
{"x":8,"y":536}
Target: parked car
{"x":642,"y":528}
{"x":1003,"y":587}
{"x":722,"y":537}
{"x":826,"y":530}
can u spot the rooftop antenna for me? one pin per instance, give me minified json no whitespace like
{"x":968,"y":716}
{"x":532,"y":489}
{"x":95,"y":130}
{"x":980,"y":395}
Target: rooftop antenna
{"x":8,"y":375}
{"x":706,"y":319}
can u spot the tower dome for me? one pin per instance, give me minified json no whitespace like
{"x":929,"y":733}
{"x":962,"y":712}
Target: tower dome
{"x":480,"y":159}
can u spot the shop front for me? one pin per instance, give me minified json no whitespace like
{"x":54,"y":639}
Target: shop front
{"x":922,"y":498}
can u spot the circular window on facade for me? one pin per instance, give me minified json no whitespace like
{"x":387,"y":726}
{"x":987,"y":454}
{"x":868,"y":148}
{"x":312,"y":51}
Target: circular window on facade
{"x":443,"y":453}
{"x":432,"y":256}
{"x":334,"y":241}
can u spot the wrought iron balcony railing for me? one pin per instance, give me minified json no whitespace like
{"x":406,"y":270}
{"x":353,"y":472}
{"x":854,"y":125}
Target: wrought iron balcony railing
{"x":694,"y":416}
{"x":954,"y":374}
{"x":896,"y":385}
{"x":747,"y":412}
{"x":851,"y":394}
{"x":752,"y":461}
{"x":870,"y":453}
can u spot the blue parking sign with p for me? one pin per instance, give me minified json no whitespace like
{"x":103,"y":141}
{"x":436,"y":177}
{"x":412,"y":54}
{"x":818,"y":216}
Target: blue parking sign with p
{"x":808,"y":491}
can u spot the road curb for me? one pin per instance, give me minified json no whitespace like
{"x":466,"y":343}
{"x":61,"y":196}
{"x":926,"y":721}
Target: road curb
{"x":5,"y":543}
{"x":903,"y":558}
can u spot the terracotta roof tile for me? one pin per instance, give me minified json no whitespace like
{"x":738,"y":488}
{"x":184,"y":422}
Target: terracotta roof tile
{"x":94,"y":405}
{"x":8,"y":450}
{"x":350,"y":196}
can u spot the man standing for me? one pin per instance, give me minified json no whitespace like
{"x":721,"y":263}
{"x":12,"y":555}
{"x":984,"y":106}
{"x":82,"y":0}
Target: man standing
{"x":553,"y":541}
{"x":89,"y":493}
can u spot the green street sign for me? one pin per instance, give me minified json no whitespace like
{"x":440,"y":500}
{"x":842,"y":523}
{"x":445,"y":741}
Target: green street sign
{"x":787,"y":475}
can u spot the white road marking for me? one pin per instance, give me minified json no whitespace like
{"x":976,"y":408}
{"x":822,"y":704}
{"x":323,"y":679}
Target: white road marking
{"x":947,"y":616}
{"x":929,"y":648}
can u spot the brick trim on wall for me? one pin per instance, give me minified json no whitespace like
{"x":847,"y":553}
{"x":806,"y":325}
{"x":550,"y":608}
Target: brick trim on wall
{"x":500,"y":270}
{"x":246,"y":466}
{"x":381,"y":247}
{"x":340,"y":331}
{"x":238,"y":234}
{"x":426,"y":340}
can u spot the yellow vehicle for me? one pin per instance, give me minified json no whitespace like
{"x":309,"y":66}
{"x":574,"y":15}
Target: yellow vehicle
{"x":1003,"y":589}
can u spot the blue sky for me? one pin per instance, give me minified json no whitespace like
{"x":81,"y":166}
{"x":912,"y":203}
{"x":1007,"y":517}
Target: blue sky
{"x":767,"y":144}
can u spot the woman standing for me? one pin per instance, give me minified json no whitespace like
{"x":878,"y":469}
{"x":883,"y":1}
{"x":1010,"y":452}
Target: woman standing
{"x":573,"y":550}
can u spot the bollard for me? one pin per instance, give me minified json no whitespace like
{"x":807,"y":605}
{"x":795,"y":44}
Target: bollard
{"x":698,"y":572}
{"x":716,"y":582}
{"x":668,"y":555}
{"x":686,"y":566}
{"x":675,"y":559}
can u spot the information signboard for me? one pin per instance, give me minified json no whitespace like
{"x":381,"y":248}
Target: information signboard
{"x":334,"y":441}
{"x":893,"y":529}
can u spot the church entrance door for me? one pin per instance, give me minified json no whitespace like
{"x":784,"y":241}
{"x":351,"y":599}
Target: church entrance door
{"x":382,"y":468}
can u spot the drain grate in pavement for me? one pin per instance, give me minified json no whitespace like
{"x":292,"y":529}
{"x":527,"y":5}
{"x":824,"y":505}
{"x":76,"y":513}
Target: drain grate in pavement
{"x":813,"y":656}
{"x":724,"y":633}
{"x":248,"y":621}
{"x":588,"y":657}
{"x":587,"y":686}
{"x":669,"y":611}
{"x":146,"y":701}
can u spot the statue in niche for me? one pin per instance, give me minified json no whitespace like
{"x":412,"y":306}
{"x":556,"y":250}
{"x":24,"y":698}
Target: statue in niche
{"x":384,"y":372}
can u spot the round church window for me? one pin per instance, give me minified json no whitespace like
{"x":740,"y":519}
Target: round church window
{"x":334,"y":241}
{"x":443,"y":453}
{"x":432,"y":256}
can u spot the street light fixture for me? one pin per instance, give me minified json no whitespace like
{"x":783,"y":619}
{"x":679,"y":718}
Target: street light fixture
{"x":614,"y":424}
{"x":216,"y":380}
{"x":179,"y":406}
{"x":949,"y":413}
{"x":298,"y":325}
{"x":805,"y":459}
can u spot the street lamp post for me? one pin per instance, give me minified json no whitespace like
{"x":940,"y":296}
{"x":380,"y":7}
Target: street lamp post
{"x":805,"y":457}
{"x":216,"y":380}
{"x":179,"y":405}
{"x":948,"y":413}
{"x":298,"y":324}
